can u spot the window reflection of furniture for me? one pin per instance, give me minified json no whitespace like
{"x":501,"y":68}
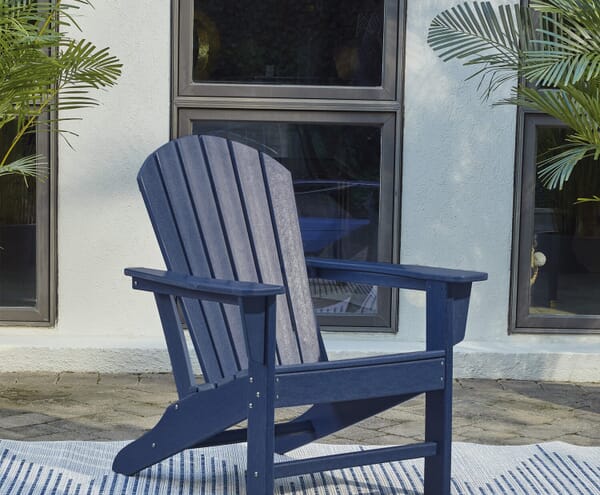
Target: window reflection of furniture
{"x":329,"y":220}
{"x":547,"y":240}
{"x":586,"y":242}
{"x":336,"y":185}
{"x":337,"y":205}
{"x":569,"y":257}
{"x":544,"y":292}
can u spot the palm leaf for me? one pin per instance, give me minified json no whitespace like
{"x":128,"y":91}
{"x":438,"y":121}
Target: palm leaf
{"x":551,"y":44}
{"x":478,"y":35}
{"x":555,"y":170}
{"x":577,"y":107}
{"x":84,"y":65}
{"x":27,"y":166}
{"x":567,"y":48}
{"x":593,"y":199}
{"x":43,"y":71}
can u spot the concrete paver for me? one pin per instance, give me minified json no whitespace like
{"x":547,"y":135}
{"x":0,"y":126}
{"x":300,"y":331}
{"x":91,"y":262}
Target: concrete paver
{"x":93,"y":406}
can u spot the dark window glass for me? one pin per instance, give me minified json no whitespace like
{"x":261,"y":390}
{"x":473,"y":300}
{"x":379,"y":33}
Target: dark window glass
{"x":293,"y":42}
{"x":565,"y":247}
{"x":336,"y":173}
{"x":17,"y":229}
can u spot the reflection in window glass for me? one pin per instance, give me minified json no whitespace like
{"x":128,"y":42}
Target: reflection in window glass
{"x":336,"y":173}
{"x":17,"y":230}
{"x":297,"y":42}
{"x":565,"y":255}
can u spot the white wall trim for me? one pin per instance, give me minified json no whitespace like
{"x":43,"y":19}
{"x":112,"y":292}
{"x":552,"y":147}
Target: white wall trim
{"x":472,"y":360}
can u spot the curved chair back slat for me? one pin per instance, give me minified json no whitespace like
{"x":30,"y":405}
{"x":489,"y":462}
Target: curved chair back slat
{"x":222,"y":209}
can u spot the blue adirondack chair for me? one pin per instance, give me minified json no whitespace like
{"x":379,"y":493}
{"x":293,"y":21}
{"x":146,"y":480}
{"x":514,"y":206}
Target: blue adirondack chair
{"x":225,"y":219}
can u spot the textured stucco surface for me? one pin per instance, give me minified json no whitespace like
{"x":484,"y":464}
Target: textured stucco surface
{"x":102,"y":225}
{"x":458,"y":173}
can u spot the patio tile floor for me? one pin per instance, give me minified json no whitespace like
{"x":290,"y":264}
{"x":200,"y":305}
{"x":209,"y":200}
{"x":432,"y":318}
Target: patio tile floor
{"x":92,"y":406}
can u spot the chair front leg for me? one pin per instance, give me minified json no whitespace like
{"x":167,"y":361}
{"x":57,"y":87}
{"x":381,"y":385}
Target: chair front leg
{"x":447,"y":306}
{"x":259,"y":320}
{"x":438,"y":429}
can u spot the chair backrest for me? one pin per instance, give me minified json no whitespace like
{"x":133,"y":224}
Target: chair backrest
{"x":222,"y":209}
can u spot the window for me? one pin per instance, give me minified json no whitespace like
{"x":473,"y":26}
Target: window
{"x":557,"y":264}
{"x":26,"y":243}
{"x":286,"y":48}
{"x":317,"y":87}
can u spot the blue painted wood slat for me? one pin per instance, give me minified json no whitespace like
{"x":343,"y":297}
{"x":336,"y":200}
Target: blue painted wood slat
{"x":176,"y":344}
{"x":289,"y":241}
{"x":438,"y":404}
{"x":158,"y":205}
{"x":260,"y":227}
{"x":346,"y":384}
{"x":211,"y":252}
{"x":234,"y":258}
{"x":351,"y":459}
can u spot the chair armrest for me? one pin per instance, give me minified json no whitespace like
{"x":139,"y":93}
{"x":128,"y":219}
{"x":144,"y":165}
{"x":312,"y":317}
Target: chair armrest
{"x":177,"y":284}
{"x":388,"y":274}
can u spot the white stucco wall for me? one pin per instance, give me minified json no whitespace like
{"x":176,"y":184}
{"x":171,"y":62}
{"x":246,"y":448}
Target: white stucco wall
{"x":457,"y":200}
{"x":458,"y":172}
{"x":102,"y":224}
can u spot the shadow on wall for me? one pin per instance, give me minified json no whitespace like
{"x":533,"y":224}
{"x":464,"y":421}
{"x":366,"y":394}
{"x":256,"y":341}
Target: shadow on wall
{"x":457,"y":184}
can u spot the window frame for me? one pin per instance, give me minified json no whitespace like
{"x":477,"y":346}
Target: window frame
{"x":334,"y":104}
{"x":393,"y":11}
{"x":525,"y":180}
{"x":387,"y":121}
{"x":44,"y":312}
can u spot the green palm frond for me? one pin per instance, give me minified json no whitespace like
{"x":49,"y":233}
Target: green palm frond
{"x":568,"y":46}
{"x":555,"y":170}
{"x":552,"y":48}
{"x":587,"y":10}
{"x":479,"y":35}
{"x":550,"y":43}
{"x":27,"y":166}
{"x":579,"y":109}
{"x":83,"y":65}
{"x":593,"y":199}
{"x":576,"y":106}
{"x":44,"y":72}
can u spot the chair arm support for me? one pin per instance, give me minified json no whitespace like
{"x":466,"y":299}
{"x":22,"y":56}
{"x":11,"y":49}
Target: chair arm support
{"x":447,"y":291}
{"x":177,"y":284}
{"x":256,"y":302}
{"x":388,"y":274}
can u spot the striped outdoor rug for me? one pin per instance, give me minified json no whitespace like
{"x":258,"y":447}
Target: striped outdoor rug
{"x":83,"y":468}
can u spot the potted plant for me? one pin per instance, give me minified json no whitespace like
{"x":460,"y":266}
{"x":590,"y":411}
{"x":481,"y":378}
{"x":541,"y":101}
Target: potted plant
{"x":44,"y":75}
{"x":550,"y":50}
